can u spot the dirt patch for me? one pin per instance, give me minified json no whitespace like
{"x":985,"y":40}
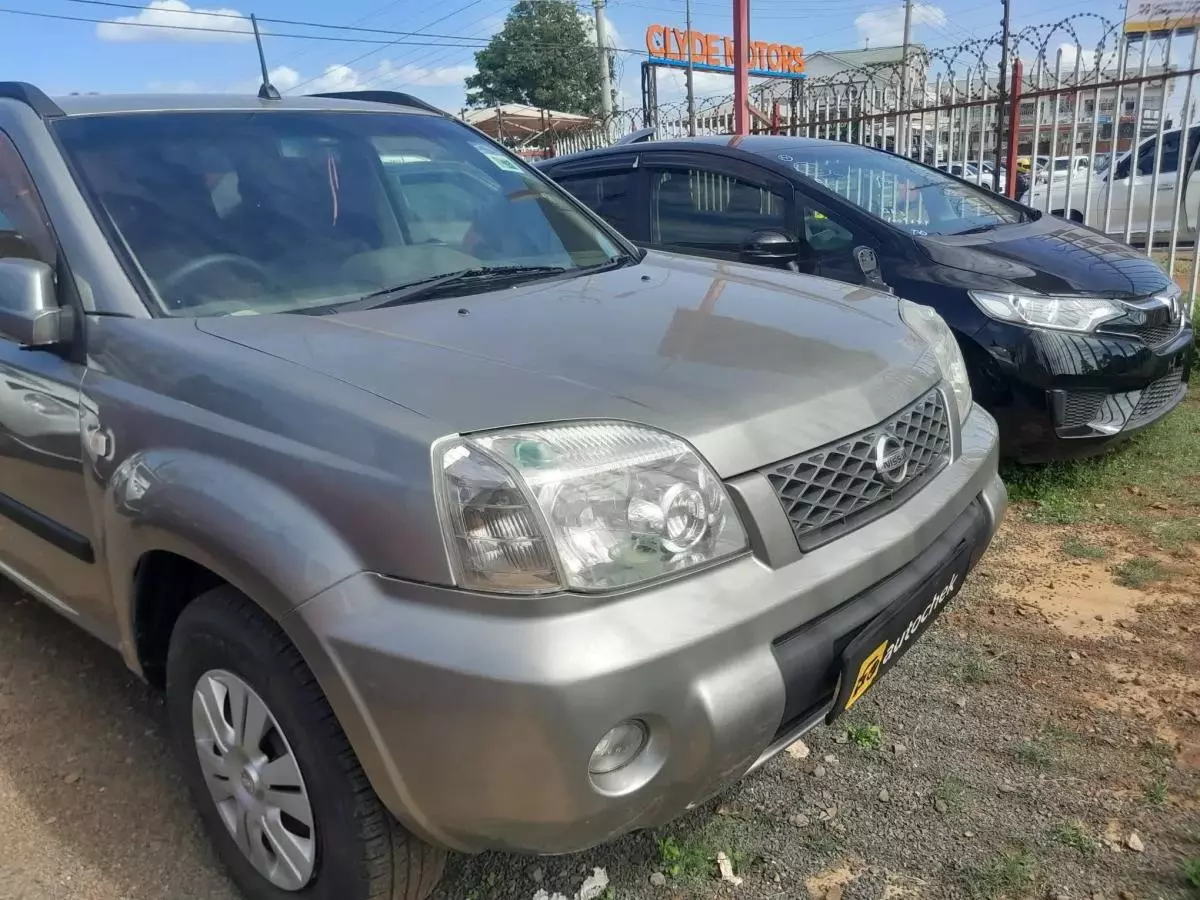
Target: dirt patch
{"x":1080,"y":597}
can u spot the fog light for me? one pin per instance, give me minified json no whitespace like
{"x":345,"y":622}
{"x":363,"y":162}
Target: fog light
{"x":619,"y":747}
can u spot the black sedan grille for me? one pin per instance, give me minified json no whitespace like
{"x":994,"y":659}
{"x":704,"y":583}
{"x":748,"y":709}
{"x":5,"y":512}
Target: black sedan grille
{"x":1154,"y":335}
{"x":1112,"y":412}
{"x":835,"y":489}
{"x":1158,"y":394}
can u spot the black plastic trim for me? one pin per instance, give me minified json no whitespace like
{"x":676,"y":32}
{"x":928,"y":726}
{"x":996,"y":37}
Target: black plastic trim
{"x":395,"y":98}
{"x":809,"y":657}
{"x":47,"y":529}
{"x":33,"y":97}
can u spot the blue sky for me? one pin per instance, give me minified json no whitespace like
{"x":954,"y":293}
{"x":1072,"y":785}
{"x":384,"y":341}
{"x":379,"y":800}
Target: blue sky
{"x":63,"y":56}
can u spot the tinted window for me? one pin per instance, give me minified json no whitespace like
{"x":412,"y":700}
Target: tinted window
{"x":693,"y":207}
{"x":236,"y":212}
{"x":899,"y":191}
{"x":24,"y":226}
{"x":611,"y":195}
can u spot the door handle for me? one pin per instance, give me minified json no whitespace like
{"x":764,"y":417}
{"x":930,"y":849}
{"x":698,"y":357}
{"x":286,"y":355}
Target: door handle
{"x":1166,"y":187}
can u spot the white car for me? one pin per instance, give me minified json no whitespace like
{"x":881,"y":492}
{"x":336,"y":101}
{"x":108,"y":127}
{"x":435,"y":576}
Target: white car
{"x":1130,"y":192}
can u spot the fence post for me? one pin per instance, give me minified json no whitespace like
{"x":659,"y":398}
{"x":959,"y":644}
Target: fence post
{"x":1014,"y":131}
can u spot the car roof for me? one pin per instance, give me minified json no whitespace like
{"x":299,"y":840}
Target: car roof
{"x":758,"y":144}
{"x":111,"y":104}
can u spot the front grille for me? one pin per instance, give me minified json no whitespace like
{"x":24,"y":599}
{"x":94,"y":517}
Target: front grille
{"x":1159,"y":334}
{"x":1080,"y":408}
{"x":835,"y":489}
{"x":1157,"y":395}
{"x":1109,"y":413}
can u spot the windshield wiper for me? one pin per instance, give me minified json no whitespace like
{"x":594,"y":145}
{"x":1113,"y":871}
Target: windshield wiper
{"x":980,"y":229}
{"x":425,"y":288}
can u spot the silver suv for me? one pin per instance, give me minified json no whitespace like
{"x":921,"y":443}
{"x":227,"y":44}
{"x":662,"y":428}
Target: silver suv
{"x":447,"y":518}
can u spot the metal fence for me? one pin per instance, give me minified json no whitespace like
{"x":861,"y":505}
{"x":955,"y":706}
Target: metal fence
{"x":1094,"y":133}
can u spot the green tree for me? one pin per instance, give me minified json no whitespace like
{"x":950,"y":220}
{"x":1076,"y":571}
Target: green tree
{"x":544,"y":56}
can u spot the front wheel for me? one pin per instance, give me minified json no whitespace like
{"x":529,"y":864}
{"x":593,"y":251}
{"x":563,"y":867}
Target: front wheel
{"x":275,"y":779}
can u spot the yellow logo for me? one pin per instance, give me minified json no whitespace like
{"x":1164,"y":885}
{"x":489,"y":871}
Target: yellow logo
{"x":867,"y":673}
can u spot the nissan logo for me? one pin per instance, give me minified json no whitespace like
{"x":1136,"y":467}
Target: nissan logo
{"x":891,"y":459}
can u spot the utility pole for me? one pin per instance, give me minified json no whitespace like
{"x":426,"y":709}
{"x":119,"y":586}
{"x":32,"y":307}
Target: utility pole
{"x":605,"y":65}
{"x":741,"y":66}
{"x":691,"y":86}
{"x":1001,"y":98}
{"x":905,"y":119}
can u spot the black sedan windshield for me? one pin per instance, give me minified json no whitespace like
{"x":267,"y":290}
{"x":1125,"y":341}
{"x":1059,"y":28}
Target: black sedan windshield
{"x":243,"y":213}
{"x":901,"y":192}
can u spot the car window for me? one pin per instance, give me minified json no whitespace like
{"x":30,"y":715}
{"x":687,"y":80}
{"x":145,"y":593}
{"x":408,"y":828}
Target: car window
{"x":699,"y":208}
{"x":609,"y":194}
{"x":244,"y":213}
{"x":24,"y":225}
{"x":441,"y":200}
{"x":901,"y":192}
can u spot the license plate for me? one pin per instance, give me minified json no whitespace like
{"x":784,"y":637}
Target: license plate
{"x":894,"y":631}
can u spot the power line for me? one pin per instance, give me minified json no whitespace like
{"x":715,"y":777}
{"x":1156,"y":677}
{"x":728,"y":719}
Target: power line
{"x":477,"y":42}
{"x":367,"y":53}
{"x":262,"y":20}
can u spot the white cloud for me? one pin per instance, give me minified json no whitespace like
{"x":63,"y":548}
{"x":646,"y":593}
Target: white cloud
{"x":174,"y":18}
{"x":385,"y":75}
{"x":612,"y":37}
{"x":884,"y":27}
{"x":672,"y":83}
{"x":1070,"y":52}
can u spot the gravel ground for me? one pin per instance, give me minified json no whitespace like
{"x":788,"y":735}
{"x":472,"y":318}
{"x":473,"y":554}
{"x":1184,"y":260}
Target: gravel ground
{"x":1050,"y":715}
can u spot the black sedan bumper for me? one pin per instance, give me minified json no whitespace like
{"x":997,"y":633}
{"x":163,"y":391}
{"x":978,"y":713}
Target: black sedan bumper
{"x":1059,"y":395}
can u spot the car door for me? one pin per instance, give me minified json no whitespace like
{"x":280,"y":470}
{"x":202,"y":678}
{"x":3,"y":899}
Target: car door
{"x":611,"y":186}
{"x":712,"y":205}
{"x":45,"y":520}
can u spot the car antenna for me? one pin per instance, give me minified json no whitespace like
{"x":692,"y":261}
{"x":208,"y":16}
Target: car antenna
{"x":266,"y":91}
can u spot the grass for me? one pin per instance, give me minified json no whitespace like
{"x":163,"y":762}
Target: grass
{"x":1073,"y":546}
{"x":691,"y":857}
{"x":1007,"y":874}
{"x":953,"y":793}
{"x":865,"y":737}
{"x":1191,"y":872}
{"x":1076,"y":836}
{"x":974,"y":668}
{"x":1035,"y":753}
{"x":1149,"y":485}
{"x":1139,"y":572}
{"x":1156,"y":792}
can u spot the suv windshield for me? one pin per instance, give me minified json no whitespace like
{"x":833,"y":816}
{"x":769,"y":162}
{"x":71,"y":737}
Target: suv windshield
{"x":901,"y":192}
{"x":241,"y":213}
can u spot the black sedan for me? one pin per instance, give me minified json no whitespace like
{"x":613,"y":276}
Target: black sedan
{"x":1073,"y":340}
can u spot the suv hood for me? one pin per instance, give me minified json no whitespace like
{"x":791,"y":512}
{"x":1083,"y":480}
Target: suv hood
{"x":1050,"y":256}
{"x":751,"y":366}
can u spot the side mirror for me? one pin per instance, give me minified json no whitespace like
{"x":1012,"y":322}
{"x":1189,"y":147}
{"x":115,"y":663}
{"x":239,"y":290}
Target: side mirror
{"x":29,"y":310}
{"x":868,"y":264}
{"x":770,"y":247}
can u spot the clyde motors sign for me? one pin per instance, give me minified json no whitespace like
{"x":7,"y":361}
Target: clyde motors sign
{"x":714,"y":53}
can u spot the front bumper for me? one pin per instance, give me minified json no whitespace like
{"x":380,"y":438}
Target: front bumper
{"x":475,"y":716}
{"x":1058,"y":395}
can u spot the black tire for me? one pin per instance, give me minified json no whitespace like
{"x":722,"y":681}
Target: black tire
{"x":362,"y":853}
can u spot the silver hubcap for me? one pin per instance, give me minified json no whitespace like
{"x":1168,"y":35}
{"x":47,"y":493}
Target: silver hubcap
{"x":254,"y":779}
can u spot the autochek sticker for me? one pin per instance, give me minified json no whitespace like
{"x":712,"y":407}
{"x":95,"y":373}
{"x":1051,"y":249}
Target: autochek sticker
{"x":497,"y":159}
{"x":869,"y":671}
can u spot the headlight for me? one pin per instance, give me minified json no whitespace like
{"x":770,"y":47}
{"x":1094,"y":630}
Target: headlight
{"x":926,"y":322}
{"x":1063,"y":313}
{"x":584,"y":506}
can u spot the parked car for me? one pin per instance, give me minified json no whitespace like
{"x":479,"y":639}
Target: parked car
{"x":1132,"y":194}
{"x":511,"y":536}
{"x":1073,"y":341}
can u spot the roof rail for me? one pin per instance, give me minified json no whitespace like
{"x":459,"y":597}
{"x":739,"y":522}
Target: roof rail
{"x":31,"y":97}
{"x":396,"y":98}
